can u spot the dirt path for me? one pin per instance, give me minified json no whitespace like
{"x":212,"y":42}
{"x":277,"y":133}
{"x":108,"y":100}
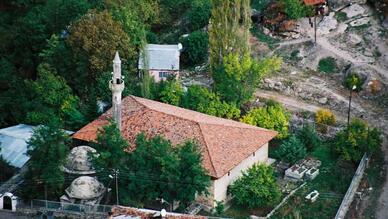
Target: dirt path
{"x":382,"y":208}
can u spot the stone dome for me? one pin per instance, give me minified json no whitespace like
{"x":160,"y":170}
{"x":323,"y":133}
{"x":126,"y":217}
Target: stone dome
{"x":85,"y":187}
{"x":79,"y":161}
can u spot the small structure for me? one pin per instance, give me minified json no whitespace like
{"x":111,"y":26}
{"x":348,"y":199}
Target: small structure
{"x":306,"y":168}
{"x":312,"y":173}
{"x":8,"y":201}
{"x":312,"y":196}
{"x":84,"y":190}
{"x":161,"y":61}
{"x":296,"y":172}
{"x":78,"y":161}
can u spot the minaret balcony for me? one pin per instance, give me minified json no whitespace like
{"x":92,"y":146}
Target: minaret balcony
{"x":116,"y":87}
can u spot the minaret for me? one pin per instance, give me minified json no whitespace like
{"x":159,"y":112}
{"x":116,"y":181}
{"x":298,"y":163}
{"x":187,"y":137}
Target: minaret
{"x":116,"y":85}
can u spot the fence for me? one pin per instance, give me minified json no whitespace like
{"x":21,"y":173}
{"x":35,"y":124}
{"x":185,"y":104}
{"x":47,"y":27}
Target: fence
{"x":45,"y":205}
{"x":348,"y":198}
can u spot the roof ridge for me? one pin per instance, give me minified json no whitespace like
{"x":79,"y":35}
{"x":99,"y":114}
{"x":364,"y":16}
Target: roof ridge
{"x":237,"y":123}
{"x":207,"y":149}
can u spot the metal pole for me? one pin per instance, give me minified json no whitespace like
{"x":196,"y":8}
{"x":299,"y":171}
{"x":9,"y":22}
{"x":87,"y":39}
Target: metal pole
{"x":117,"y":188}
{"x":350,"y":102}
{"x":315,"y":28}
{"x":45,"y":194}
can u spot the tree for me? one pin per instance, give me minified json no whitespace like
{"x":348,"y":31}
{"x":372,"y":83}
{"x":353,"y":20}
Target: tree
{"x":52,"y":99}
{"x":199,"y":14}
{"x":229,"y":31}
{"x":292,"y":150}
{"x":309,"y":137}
{"x":7,"y":170}
{"x":171,"y":92}
{"x":195,"y":47}
{"x":324,"y":118}
{"x":354,"y":80}
{"x":357,"y":139}
{"x":162,"y":171}
{"x":203,"y":100}
{"x":272,"y":117}
{"x":256,"y":187}
{"x":111,"y":148}
{"x":47,"y":150}
{"x":96,"y":37}
{"x":296,"y":9}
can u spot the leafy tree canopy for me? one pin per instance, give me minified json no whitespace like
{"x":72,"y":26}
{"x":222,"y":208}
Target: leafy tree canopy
{"x":273,"y":117}
{"x":171,"y":92}
{"x":309,"y":137}
{"x":47,"y":150}
{"x":195,"y":47}
{"x":256,"y":188}
{"x":356,"y":140}
{"x":292,"y":150}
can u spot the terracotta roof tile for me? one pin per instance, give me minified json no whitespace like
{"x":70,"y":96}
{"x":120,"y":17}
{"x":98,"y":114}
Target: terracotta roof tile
{"x":314,"y":2}
{"x":223,"y":143}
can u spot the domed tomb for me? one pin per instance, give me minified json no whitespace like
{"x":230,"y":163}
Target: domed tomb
{"x":79,"y":161}
{"x":84,"y":190}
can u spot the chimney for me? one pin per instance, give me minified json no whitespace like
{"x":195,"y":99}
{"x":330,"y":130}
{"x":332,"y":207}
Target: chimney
{"x":116,"y":85}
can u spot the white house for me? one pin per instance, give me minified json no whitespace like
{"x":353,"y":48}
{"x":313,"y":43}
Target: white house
{"x":161,"y":61}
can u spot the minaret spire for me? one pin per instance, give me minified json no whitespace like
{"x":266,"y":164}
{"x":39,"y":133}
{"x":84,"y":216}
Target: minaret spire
{"x":116,"y":85}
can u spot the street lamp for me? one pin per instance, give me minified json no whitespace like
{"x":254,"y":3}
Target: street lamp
{"x":115,"y":175}
{"x":350,"y":102}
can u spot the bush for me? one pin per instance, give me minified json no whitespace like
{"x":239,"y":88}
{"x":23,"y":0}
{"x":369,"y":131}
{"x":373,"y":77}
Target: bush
{"x":203,"y":100}
{"x":256,"y":187}
{"x":292,"y":150}
{"x":353,"y":80}
{"x":356,"y":140}
{"x":273,"y":117}
{"x":324,"y":118}
{"x":309,"y":137}
{"x":296,"y":9}
{"x":259,"y":5}
{"x":199,"y":14}
{"x":195,"y":48}
{"x":171,"y":92}
{"x":341,"y":16}
{"x":327,"y":65}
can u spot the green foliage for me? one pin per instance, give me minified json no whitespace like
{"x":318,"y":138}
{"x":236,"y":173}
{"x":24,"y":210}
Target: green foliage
{"x":7,"y":170}
{"x":356,"y":140}
{"x":341,"y":16}
{"x":327,"y":65}
{"x":220,"y":207}
{"x":111,"y":148}
{"x":325,"y":116}
{"x":259,"y":5}
{"x":309,"y":137}
{"x":199,"y":14}
{"x":51,"y":99}
{"x":238,"y":77}
{"x":195,"y":47}
{"x":171,"y":92}
{"x":353,"y":80}
{"x":47,"y":150}
{"x":292,"y":150}
{"x":296,"y":9}
{"x":269,"y":117}
{"x":162,"y":171}
{"x":202,"y":100}
{"x":230,"y":32}
{"x":95,"y":38}
{"x":256,"y":188}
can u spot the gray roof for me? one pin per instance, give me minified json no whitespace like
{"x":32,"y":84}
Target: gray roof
{"x":161,"y":57}
{"x":14,"y":143}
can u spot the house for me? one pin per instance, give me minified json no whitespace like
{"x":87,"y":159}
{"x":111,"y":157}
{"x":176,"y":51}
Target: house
{"x":161,"y":61}
{"x":227,"y":147}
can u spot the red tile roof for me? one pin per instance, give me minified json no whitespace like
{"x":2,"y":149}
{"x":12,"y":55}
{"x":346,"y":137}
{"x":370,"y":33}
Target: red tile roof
{"x":314,"y":2}
{"x":148,"y":214}
{"x":224,"y":143}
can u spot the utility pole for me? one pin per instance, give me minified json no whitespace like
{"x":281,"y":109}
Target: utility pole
{"x":117,"y":186}
{"x":350,"y":102}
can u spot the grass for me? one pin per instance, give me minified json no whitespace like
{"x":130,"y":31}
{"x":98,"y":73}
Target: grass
{"x":257,"y":32}
{"x":327,"y":65}
{"x":332,"y":183}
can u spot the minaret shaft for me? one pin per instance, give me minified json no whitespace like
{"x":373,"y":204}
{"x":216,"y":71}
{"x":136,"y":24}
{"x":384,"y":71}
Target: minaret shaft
{"x":116,"y":85}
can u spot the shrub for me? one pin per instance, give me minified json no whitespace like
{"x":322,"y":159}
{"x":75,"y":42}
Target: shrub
{"x":324,"y":118}
{"x":353,"y":80}
{"x":309,"y":137}
{"x":195,"y":48}
{"x":356,"y":140}
{"x":199,"y":14}
{"x":171,"y":92}
{"x":273,"y":117}
{"x":292,"y":150}
{"x":295,"y":9}
{"x":327,"y":65}
{"x":256,"y":187}
{"x":341,"y":16}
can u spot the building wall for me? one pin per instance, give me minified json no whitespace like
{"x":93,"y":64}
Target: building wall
{"x":155,"y":73}
{"x":221,"y":185}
